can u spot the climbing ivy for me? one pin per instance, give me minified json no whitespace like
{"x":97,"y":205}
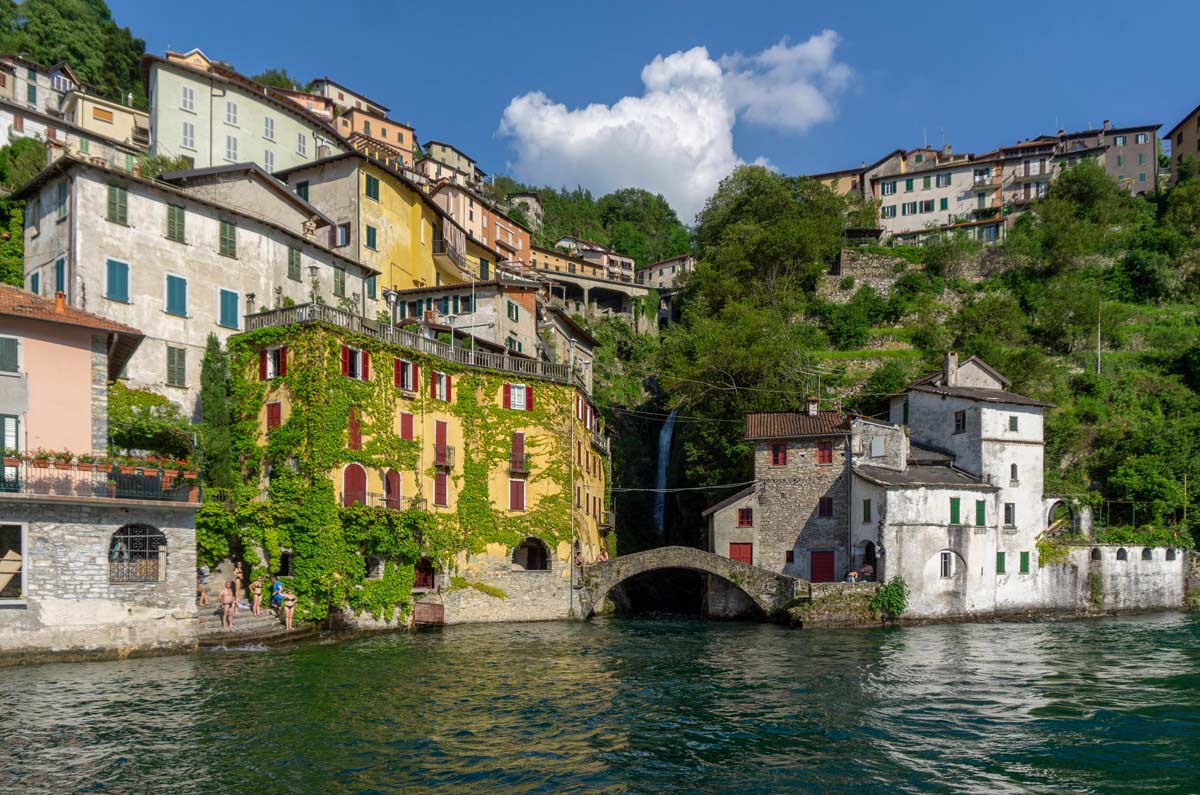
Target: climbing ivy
{"x":295,"y":465}
{"x":891,"y":600}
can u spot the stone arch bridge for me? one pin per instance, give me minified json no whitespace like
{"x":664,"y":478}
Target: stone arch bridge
{"x":767,"y":589}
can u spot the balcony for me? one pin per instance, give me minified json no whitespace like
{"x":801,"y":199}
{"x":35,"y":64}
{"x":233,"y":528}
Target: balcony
{"x":519,"y":464}
{"x":443,"y":456}
{"x":141,"y":137}
{"x":607,"y":518}
{"x":981,"y":182}
{"x":600,"y":442}
{"x":371,"y":499}
{"x":1021,"y":176}
{"x":96,"y":481}
{"x":447,"y":255}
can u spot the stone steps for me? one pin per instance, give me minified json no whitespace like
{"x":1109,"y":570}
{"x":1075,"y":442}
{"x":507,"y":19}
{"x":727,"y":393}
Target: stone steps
{"x":247,"y":627}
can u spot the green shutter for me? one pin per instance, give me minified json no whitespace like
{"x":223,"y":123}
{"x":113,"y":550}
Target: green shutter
{"x":8,"y":354}
{"x":1025,"y":562}
{"x":175,"y":222}
{"x":866,"y":510}
{"x":945,"y":204}
{"x":339,"y":283}
{"x":370,"y":287}
{"x":176,"y":366}
{"x":83,"y":146}
{"x":1000,"y":562}
{"x":118,"y":205}
{"x":908,"y":186}
{"x":302,"y":190}
{"x":118,"y":281}
{"x":954,"y":518}
{"x":294,"y":264}
{"x":371,"y":237}
{"x":372,"y":188}
{"x":177,"y":296}
{"x":228,"y":239}
{"x":925,"y":183}
{"x":980,"y":513}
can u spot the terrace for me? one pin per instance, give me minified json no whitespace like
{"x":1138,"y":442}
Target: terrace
{"x":65,"y":478}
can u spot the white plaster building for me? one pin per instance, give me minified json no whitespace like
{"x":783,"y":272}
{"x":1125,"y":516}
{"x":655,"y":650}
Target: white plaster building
{"x":179,"y":259}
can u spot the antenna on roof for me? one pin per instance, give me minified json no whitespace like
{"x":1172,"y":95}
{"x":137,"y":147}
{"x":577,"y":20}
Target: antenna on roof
{"x":925,"y":137}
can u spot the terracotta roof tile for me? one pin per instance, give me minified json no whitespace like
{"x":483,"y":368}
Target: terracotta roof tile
{"x":15,"y":302}
{"x":790,"y":424}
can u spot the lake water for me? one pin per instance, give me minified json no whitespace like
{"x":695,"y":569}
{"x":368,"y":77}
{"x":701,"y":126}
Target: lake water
{"x":1104,"y":706}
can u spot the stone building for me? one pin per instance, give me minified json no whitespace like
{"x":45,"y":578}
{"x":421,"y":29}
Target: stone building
{"x":93,"y":560}
{"x":667,"y":274}
{"x":793,"y":519}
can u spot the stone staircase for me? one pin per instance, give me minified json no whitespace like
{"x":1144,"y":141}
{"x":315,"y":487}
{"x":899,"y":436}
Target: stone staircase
{"x":247,"y":628}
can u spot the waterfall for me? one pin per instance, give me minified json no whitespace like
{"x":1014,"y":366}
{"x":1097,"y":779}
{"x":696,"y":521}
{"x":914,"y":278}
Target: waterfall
{"x":660,"y":480}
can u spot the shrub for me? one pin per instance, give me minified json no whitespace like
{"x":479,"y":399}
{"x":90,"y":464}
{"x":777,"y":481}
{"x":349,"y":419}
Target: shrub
{"x":891,"y":600}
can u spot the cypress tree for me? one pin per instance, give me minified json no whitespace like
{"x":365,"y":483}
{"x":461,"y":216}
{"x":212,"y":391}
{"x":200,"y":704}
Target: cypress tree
{"x":214,"y":416}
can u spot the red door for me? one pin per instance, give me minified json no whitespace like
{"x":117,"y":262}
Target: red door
{"x":821,"y":567}
{"x":742,"y":552}
{"x":354,"y":485}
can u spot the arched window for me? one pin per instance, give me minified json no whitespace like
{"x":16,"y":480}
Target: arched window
{"x":1122,"y":554}
{"x":137,"y":553}
{"x":391,"y":489}
{"x":1147,"y":554}
{"x":354,"y":485}
{"x":374,"y":566}
{"x":425,"y":571}
{"x":1012,"y":473}
{"x":1171,"y":553}
{"x":1095,"y":553}
{"x":532,"y":555}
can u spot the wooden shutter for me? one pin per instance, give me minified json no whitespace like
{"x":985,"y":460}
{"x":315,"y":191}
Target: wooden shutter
{"x":406,"y":425}
{"x":432,"y":384}
{"x":954,"y":517}
{"x":449,"y":385}
{"x":439,"y":489}
{"x":508,"y":396}
{"x":516,"y":495}
{"x":333,"y":235}
{"x":366,"y":367}
{"x":262,"y":365}
{"x":283,"y":352}
{"x":980,"y":513}
{"x":416,"y":380}
{"x":396,"y":378}
{"x":345,"y":360}
{"x":353,"y":430}
{"x":529,"y":398}
{"x":274,"y":415}
{"x":518,"y":446}
{"x":440,"y":429}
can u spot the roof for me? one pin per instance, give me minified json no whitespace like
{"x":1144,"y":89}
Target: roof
{"x":981,"y":394}
{"x":575,"y":328}
{"x":922,"y":476}
{"x":668,"y":259}
{"x":383,"y":117}
{"x":936,"y":376}
{"x":1183,"y":121}
{"x":66,"y":161}
{"x":82,"y":132}
{"x":932,"y":456}
{"x":332,"y":82}
{"x":451,"y":288}
{"x":432,"y":142}
{"x":15,"y":302}
{"x":725,"y":503}
{"x":1112,"y":130}
{"x":792,"y":424}
{"x":255,"y":171}
{"x":478,"y":342}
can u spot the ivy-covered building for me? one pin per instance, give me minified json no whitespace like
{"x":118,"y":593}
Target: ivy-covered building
{"x":399,"y":470}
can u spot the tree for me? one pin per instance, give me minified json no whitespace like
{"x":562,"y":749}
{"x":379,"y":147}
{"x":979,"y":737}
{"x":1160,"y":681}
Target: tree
{"x":278,"y":78}
{"x":153,"y":166}
{"x":214,"y":416}
{"x":1187,"y":169}
{"x":141,"y":421}
{"x":21,"y":161}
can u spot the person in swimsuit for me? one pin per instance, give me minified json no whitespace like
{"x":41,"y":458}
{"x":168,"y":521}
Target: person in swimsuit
{"x":227,"y":606}
{"x":237,"y":585}
{"x":256,"y":593}
{"x":289,"y":607}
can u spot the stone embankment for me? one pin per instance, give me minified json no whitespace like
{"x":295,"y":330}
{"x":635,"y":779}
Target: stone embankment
{"x":833,"y":604}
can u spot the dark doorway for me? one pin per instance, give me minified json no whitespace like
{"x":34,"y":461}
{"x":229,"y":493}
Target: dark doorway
{"x":821,"y":567}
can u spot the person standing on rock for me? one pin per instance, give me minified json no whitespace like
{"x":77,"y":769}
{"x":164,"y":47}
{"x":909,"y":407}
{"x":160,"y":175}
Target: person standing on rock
{"x":289,"y":608}
{"x":256,"y":593}
{"x":227,"y":606}
{"x":237,"y":585}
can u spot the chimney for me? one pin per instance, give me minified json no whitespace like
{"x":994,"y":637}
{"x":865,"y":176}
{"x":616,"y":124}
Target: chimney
{"x":814,"y":405}
{"x":1106,"y":124}
{"x":60,"y":302}
{"x":1061,"y":133}
{"x":950,"y":369}
{"x":947,"y":150}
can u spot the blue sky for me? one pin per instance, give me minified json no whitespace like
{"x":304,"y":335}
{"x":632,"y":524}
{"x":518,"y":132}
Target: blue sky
{"x":889,"y":75}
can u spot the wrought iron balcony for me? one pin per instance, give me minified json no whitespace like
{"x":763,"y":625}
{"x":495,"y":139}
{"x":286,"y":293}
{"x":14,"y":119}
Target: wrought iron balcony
{"x":85,"y":480}
{"x":448,"y":254}
{"x":519,"y":464}
{"x":443,"y":456}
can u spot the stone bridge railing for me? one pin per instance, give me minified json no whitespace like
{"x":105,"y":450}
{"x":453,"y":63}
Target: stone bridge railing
{"x":769,"y":590}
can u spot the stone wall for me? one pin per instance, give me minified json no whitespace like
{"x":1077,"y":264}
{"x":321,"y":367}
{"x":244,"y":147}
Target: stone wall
{"x":71,"y":606}
{"x":836,"y":604}
{"x":880,"y":271}
{"x":527,"y":595}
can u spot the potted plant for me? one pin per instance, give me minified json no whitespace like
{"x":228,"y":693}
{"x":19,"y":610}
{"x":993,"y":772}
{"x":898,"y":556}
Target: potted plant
{"x":40,"y":458}
{"x":127,"y":466}
{"x":112,"y":488}
{"x":12,"y":458}
{"x":62,"y":459}
{"x":86,"y":463}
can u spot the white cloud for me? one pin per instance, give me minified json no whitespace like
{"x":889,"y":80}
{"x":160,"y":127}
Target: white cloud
{"x":677,"y":137}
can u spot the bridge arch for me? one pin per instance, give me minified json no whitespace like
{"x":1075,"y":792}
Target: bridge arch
{"x":768,"y":590}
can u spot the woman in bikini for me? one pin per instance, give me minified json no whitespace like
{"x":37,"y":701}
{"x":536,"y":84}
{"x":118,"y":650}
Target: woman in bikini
{"x":289,"y":607}
{"x":256,"y":593}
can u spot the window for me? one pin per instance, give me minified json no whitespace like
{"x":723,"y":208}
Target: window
{"x":35,"y":284}
{"x":980,"y":513}
{"x":12,"y":552}
{"x":483,"y":269}
{"x":118,"y":205}
{"x":943,"y":204}
{"x":231,"y":148}
{"x":1010,"y":514}
{"x":404,"y":375}
{"x":31,"y":94}
{"x":339,"y":283}
{"x":947,"y":565}
{"x":514,"y":312}
{"x":137,"y":553}
{"x":1120,"y":161}
{"x":301,"y":144}
{"x":228,"y":243}
{"x":516,"y":494}
{"x":1014,"y":422}
{"x":371,"y":239}
{"x":19,"y":126}
{"x":10,"y":348}
{"x":943,"y":180}
{"x":954,"y":511}
{"x":176,"y":296}
{"x":1119,"y":140}
{"x":60,"y":275}
{"x":824,"y":452}
{"x":354,"y":485}
{"x":866,"y":510}
{"x":341,"y":235}
{"x":356,"y":364}
{"x":175,"y":223}
{"x":440,"y":497}
{"x":60,"y":200}
{"x":268,"y":128}
{"x":779,"y":454}
{"x":274,"y":415}
{"x":187,"y":98}
{"x":1025,"y":562}
{"x":908,"y":208}
{"x":960,"y":421}
{"x":366,"y":127}
{"x":927,"y":205}
{"x":518,"y":397}
{"x":1141,"y":176}
{"x":1012,"y":473}
{"x":176,"y":366}
{"x":272,"y":363}
{"x":908,"y":185}
{"x":439,"y":386}
{"x":1000,"y":555}
{"x":302,"y":190}
{"x":83,"y":142}
{"x":268,"y":160}
{"x":294,"y":264}
{"x":888,"y":211}
{"x":372,"y":188}
{"x":745,"y":517}
{"x":116,"y":280}
{"x":926,"y":183}
{"x":1140,"y":138}
{"x":369,"y":286}
{"x":825,"y":507}
{"x":231,"y":113}
{"x":1122,"y":554}
{"x":228,"y":305}
{"x":887,"y":188}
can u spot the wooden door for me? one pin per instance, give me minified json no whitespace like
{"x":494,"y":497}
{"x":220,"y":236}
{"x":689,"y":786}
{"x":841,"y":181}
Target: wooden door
{"x":742,"y":552}
{"x":821,"y":567}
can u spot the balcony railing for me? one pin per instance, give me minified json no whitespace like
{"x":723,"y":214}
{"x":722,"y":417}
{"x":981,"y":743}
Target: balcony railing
{"x":519,"y":464}
{"x":372,"y":499}
{"x":442,"y":248}
{"x":600,"y":441}
{"x":112,"y":483}
{"x":443,"y":455}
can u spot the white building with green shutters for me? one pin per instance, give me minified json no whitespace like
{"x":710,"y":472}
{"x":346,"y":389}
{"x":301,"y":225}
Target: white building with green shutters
{"x":179,"y":257}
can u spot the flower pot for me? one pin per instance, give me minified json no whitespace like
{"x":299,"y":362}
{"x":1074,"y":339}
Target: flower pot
{"x":62,"y":464}
{"x":127,"y":470}
{"x":41,"y":463}
{"x":194,"y":492}
{"x":11,"y":461}
{"x":82,"y":467}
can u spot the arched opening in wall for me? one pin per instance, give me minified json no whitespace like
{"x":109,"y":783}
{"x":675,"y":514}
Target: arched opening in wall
{"x":1061,"y":518}
{"x":137,"y":553}
{"x":1170,"y":553}
{"x":532,"y":555}
{"x":374,"y":566}
{"x":870,"y":564}
{"x":672,"y":593}
{"x":1122,"y":554}
{"x":1147,"y":554}
{"x":1095,"y":553}
{"x":424,"y":575}
{"x":354,"y":485}
{"x":391,"y":489}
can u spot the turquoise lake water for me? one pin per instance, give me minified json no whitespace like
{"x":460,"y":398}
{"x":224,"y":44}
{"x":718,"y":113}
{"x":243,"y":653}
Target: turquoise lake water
{"x":1102,"y":706}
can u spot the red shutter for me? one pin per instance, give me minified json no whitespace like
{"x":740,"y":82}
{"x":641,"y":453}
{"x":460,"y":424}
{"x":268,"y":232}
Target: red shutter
{"x":449,"y":386}
{"x":274,"y":415}
{"x":396,"y":372}
{"x":366,"y":367}
{"x":406,"y":426}
{"x":262,"y":365}
{"x":432,"y":384}
{"x":518,"y":445}
{"x":516,"y":495}
{"x":282,"y":361}
{"x":529,"y":398}
{"x":578,"y":453}
{"x":345,"y":360}
{"x":508,"y":396}
{"x":439,"y":489}
{"x":416,"y":378}
{"x":440,"y":428}
{"x":354,"y":431}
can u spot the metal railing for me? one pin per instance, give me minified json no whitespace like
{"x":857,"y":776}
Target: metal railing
{"x":149,"y":484}
{"x":519,"y":464}
{"x":322,"y":313}
{"x":442,"y":247}
{"x":443,"y":455}
{"x":600,"y":441}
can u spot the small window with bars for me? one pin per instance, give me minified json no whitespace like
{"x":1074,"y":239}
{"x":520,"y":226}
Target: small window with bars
{"x":745,"y":517}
